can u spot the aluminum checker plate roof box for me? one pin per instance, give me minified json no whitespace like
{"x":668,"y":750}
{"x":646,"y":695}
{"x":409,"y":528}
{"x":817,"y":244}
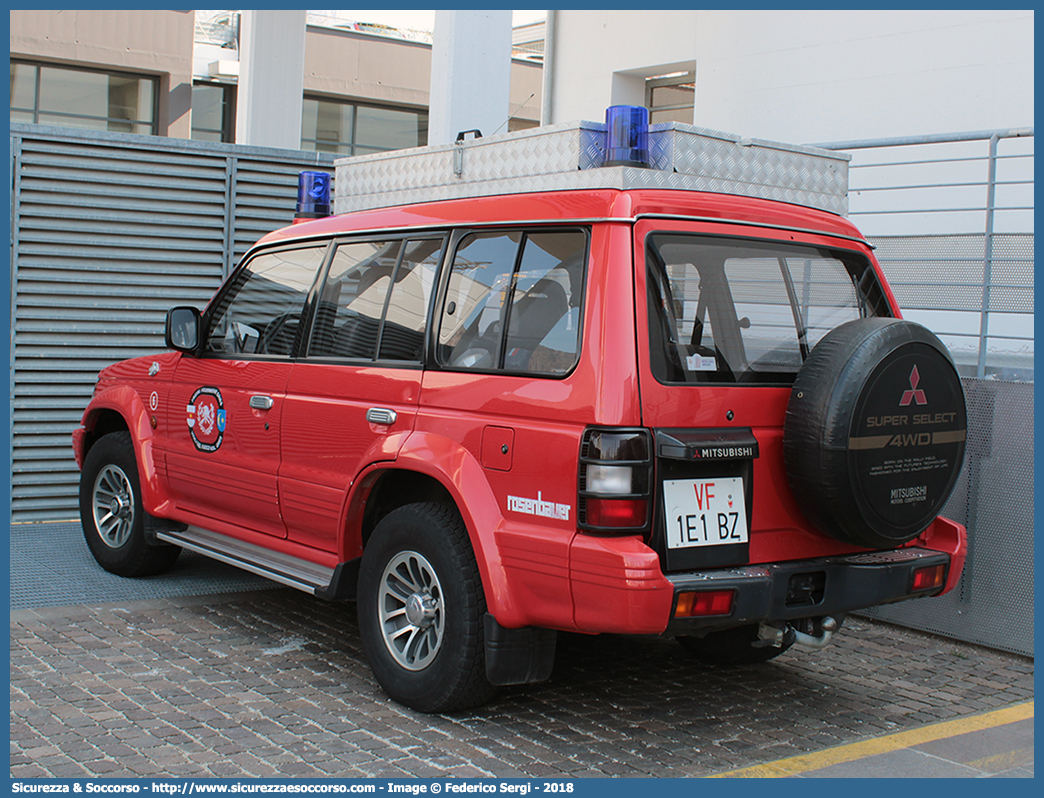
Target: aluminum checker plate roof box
{"x":569,"y":156}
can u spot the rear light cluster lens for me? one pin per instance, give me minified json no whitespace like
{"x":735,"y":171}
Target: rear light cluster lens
{"x":703,"y":603}
{"x":608,"y":480}
{"x":928,"y":578}
{"x":615,"y":480}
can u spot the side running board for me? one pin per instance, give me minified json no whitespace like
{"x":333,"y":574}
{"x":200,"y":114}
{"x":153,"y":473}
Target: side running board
{"x":284,"y":568}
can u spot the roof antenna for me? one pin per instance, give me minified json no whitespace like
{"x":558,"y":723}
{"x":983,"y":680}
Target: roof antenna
{"x":530,"y":97}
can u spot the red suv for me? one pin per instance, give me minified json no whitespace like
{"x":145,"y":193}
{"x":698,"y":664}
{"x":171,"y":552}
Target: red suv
{"x":487,"y":420}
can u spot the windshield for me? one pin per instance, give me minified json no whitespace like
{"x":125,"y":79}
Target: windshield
{"x":727,"y":310}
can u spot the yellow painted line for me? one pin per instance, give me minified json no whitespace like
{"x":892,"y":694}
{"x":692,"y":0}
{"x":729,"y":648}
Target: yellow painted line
{"x":881,"y":745}
{"x":1005,"y":761}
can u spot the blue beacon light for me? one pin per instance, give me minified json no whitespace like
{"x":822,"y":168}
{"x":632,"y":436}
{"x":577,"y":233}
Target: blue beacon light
{"x":313,"y":196}
{"x":627,"y":136}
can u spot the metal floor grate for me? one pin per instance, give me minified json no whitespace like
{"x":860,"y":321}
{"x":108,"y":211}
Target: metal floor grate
{"x":51,"y":566}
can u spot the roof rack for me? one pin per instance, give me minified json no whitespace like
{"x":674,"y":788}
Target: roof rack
{"x":570,"y":156}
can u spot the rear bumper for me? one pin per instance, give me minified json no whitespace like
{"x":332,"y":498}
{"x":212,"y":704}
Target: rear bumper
{"x":618,"y":585}
{"x":850,"y":582}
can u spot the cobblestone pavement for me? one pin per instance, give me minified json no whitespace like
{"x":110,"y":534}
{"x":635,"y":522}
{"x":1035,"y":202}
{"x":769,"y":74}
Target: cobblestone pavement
{"x":274,"y":683}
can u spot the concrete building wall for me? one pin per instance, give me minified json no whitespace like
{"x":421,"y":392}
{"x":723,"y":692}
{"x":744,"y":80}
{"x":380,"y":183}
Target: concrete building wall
{"x":157,"y":43}
{"x":347,"y":64}
{"x":833,"y":75}
{"x":271,"y":78}
{"x":470,"y":73}
{"x":601,"y":58}
{"x":808,"y":76}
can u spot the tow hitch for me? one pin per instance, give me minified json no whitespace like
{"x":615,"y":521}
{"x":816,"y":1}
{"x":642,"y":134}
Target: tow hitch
{"x":783,"y":634}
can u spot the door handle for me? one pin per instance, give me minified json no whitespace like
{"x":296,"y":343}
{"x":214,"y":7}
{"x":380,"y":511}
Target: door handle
{"x":261,"y":402}
{"x":381,"y":415}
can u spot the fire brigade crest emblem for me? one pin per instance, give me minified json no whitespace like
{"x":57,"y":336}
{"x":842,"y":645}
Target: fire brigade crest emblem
{"x":205,"y":415}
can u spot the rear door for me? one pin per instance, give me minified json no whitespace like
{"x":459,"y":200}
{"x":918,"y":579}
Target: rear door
{"x":731,"y":313}
{"x":352,"y":399}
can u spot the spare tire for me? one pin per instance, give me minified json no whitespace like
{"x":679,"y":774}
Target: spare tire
{"x":875,"y":431}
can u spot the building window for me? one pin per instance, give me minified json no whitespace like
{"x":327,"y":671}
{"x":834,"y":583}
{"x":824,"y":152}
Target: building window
{"x":671,"y":98}
{"x":49,"y":95}
{"x":213,"y":116}
{"x":514,"y":124}
{"x":352,"y":129}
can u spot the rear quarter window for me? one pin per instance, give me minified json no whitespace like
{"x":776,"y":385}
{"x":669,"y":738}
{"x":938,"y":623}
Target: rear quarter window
{"x":513,"y":302}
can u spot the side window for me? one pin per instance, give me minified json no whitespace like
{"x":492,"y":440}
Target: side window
{"x":402,"y":337}
{"x":261,"y":312}
{"x":375,"y":299}
{"x":513,"y":302}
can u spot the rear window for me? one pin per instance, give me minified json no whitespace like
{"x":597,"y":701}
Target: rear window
{"x":733,"y":310}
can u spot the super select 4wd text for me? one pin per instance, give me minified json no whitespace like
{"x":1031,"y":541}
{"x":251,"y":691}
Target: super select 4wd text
{"x":600,"y":400}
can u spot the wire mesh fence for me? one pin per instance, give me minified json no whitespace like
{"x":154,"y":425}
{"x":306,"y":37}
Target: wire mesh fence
{"x":952,"y":220}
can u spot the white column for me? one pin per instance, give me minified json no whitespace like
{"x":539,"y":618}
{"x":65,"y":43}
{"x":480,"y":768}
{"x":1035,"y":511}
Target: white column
{"x":547,"y":108}
{"x":271,"y":78}
{"x":470,"y":74}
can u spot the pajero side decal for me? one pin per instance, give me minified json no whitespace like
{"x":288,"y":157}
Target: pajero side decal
{"x":206,"y":419}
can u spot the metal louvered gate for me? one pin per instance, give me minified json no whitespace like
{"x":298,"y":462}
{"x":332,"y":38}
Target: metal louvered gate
{"x":108,"y":231}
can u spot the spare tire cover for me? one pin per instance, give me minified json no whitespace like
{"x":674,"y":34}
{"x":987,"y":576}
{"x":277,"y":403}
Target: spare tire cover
{"x":875,"y":431}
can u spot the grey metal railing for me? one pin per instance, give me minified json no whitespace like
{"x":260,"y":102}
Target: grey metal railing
{"x":952,"y":215}
{"x":108,"y":230}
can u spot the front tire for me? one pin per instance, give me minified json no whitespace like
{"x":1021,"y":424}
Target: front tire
{"x":112,"y":514}
{"x":421,"y":608}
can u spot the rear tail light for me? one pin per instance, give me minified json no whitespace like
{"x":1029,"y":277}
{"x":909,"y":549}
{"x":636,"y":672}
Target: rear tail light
{"x":703,"y":603}
{"x":609,"y":479}
{"x":615,"y":480}
{"x":928,"y":578}
{"x":617,"y":513}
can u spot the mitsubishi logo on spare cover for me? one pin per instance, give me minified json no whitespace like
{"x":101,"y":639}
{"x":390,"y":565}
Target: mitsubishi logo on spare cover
{"x":914,"y":394}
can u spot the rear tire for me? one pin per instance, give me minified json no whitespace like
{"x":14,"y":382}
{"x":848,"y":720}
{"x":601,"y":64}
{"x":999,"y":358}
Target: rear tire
{"x":421,"y":608}
{"x":731,"y":647}
{"x":112,"y":514}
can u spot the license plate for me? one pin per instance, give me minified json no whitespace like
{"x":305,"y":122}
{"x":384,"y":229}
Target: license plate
{"x":705,"y":512}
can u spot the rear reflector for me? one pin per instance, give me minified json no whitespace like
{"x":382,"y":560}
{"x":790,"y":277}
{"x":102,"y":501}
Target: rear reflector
{"x":619,"y":513}
{"x":928,"y":578}
{"x":705,"y":602}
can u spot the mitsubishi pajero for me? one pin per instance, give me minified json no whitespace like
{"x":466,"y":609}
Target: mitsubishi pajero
{"x":493,"y":418}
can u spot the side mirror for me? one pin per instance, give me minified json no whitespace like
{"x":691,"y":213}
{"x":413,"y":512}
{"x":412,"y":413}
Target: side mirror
{"x":183,"y":329}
